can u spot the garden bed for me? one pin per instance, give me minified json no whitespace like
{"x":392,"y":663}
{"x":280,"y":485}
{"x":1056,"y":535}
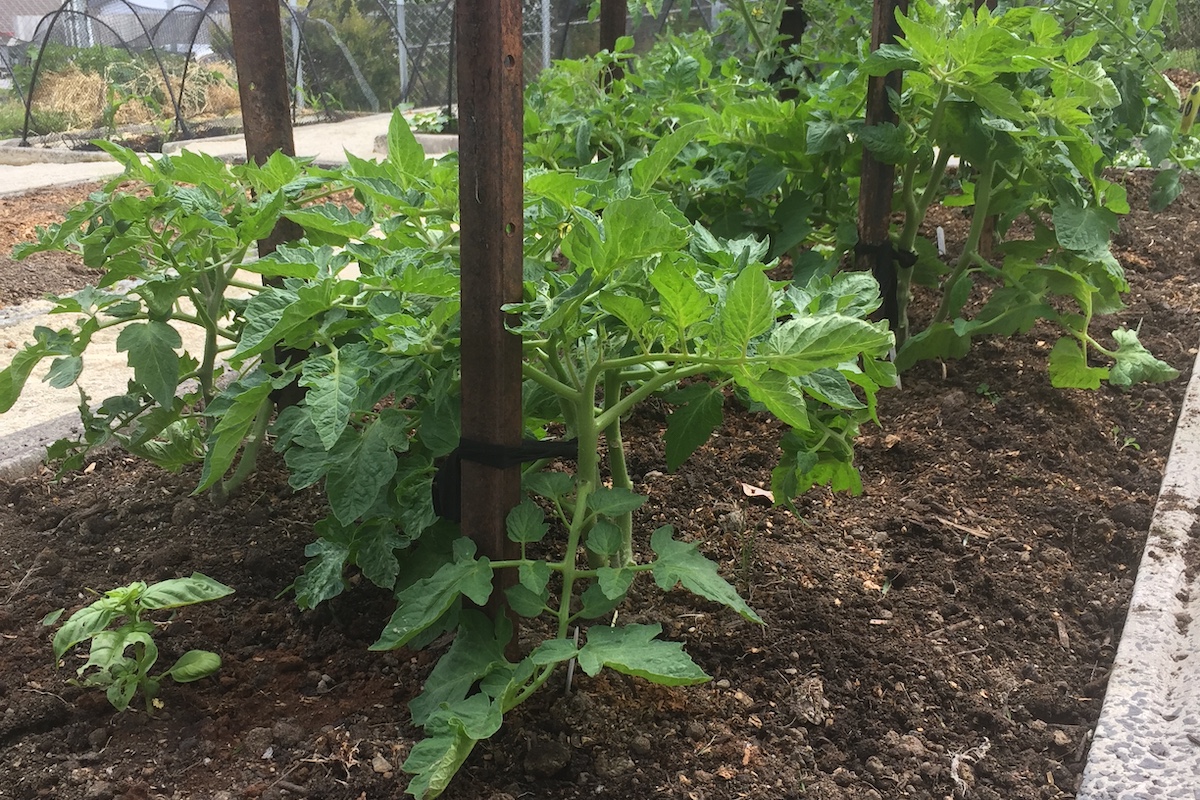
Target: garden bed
{"x":949,"y":631}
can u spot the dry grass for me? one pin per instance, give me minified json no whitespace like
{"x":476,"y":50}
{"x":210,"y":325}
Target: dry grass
{"x":84,"y":96}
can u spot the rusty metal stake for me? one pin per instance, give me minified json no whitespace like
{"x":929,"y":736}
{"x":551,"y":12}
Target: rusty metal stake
{"x":878,"y":179}
{"x":612,"y":27}
{"x":491,"y":208}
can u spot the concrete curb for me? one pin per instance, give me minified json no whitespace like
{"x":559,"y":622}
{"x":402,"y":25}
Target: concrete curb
{"x":21,"y":453}
{"x":23,"y":156}
{"x":1147,"y":741}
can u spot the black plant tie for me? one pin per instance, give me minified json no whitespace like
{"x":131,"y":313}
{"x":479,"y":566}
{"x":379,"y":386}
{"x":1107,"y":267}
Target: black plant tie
{"x":906,"y":259}
{"x":447,"y":481}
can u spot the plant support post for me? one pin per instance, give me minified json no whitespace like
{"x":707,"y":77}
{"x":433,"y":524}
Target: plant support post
{"x":491,"y":209}
{"x":874,"y":250}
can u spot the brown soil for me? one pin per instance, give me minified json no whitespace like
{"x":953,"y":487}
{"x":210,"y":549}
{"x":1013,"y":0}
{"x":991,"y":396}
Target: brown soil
{"x":947,"y":633}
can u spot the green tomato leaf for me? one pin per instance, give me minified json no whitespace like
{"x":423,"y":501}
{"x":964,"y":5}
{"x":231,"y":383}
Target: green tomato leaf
{"x":324,"y":573}
{"x":889,"y":58}
{"x":682,"y":563}
{"x":605,"y":538}
{"x":633,"y":650}
{"x":1069,"y":368}
{"x":526,"y":522}
{"x":690,"y":425}
{"x":748,"y":310}
{"x":1135,"y":364}
{"x":681,"y":301}
{"x":333,"y":387}
{"x":1083,"y":229}
{"x":887,"y":142}
{"x":356,"y":480}
{"x":1167,"y":187}
{"x":647,"y":171}
{"x":404,"y":152}
{"x":551,"y":485}
{"x":151,"y":347}
{"x":781,"y":394}
{"x":615,"y":582}
{"x":424,"y":602}
{"x":64,"y":371}
{"x":612,"y":502}
{"x":476,"y":652}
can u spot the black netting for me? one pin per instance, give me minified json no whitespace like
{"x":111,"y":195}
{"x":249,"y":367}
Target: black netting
{"x":163,"y":69}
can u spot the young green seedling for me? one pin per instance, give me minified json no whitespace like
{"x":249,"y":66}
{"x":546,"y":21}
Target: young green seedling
{"x":122,"y":649}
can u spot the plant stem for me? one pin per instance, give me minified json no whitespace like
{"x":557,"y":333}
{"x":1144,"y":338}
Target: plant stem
{"x":617,"y":467}
{"x":983,"y":192}
{"x":249,"y":453}
{"x":585,"y":483}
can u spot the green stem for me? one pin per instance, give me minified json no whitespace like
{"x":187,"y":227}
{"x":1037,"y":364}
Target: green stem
{"x":983,"y":193}
{"x":586,"y":482}
{"x":618,"y":469}
{"x":751,"y":25}
{"x":249,"y":453}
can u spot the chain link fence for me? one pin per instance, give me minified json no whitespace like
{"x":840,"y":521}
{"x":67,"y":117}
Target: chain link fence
{"x":164,"y":68}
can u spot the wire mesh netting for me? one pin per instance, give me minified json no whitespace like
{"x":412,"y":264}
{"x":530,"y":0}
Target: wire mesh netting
{"x":163,"y":69}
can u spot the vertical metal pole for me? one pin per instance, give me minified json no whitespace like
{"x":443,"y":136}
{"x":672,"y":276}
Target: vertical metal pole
{"x":402,"y":48}
{"x":878,"y":179}
{"x":296,"y":60}
{"x":491,"y":208}
{"x":546,"y":13}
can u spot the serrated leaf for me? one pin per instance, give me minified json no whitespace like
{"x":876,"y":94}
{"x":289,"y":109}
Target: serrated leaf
{"x":692,"y":423}
{"x":748,"y":310}
{"x":605,"y":538}
{"x":1069,"y":368}
{"x":615,"y":582}
{"x":425,"y":601}
{"x":1135,"y":364}
{"x":681,"y":301}
{"x":887,"y":142}
{"x":526,"y":522}
{"x":404,"y":152}
{"x":682,"y":563}
{"x":612,"y":502}
{"x":151,"y":348}
{"x":375,"y":546}
{"x":324,"y":572}
{"x":475,"y":653}
{"x":551,"y":485}
{"x":634,"y":650}
{"x":64,"y":371}
{"x":435,"y":760}
{"x":525,"y":602}
{"x":332,"y":384}
{"x":647,"y":171}
{"x":807,"y":344}
{"x":889,"y":58}
{"x":553,"y":651}
{"x":355,"y":482}
{"x":1083,"y":229}
{"x":235,"y":410}
{"x":781,"y":395}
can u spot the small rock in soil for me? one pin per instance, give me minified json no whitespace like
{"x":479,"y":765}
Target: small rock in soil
{"x":641,"y":745}
{"x":612,"y":766}
{"x":1132,"y":515}
{"x":694,"y":731}
{"x":547,"y":758}
{"x":99,"y":790}
{"x":98,"y":738}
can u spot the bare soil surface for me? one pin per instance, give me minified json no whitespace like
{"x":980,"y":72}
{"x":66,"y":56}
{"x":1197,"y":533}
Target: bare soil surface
{"x":947,"y":633}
